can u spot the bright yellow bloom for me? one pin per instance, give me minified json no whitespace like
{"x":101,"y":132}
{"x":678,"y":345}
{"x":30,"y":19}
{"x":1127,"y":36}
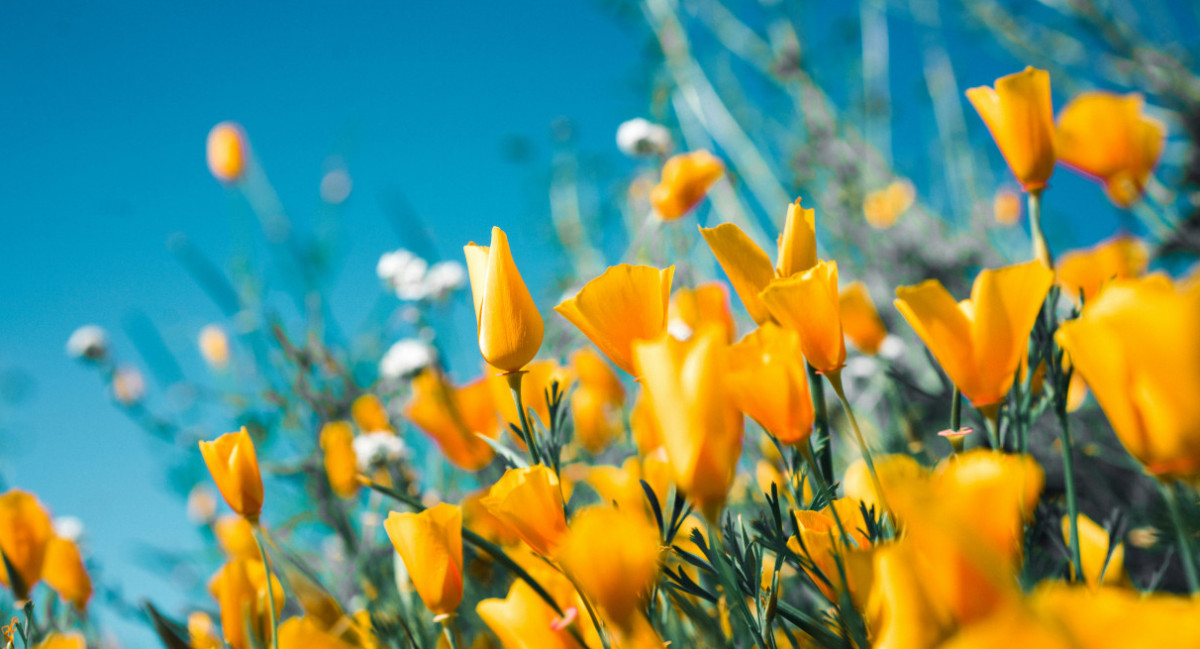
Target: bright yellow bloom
{"x":1086,"y":271}
{"x":979,"y":342}
{"x":686,"y":178}
{"x":818,"y":538}
{"x":227,"y":152}
{"x":530,"y":502}
{"x":1094,"y":543}
{"x":1108,"y":137}
{"x":692,"y":308}
{"x":341,"y":462}
{"x":1006,"y":207}
{"x":748,"y":267}
{"x":430,"y":543}
{"x":769,"y":383}
{"x":63,"y":641}
{"x":479,"y":520}
{"x":643,"y":424}
{"x":202,"y":633}
{"x":524,"y":621}
{"x":455,"y":417}
{"x":1137,"y":349}
{"x":214,"y":347}
{"x":882,"y":207}
{"x":304,"y":633}
{"x":234,"y":467}
{"x":508,"y":323}
{"x":624,"y":305}
{"x":701,"y":429}
{"x":613,"y":557}
{"x":808,"y":304}
{"x":597,"y":401}
{"x":901,"y":612}
{"x":25,"y":531}
{"x":622,"y":485}
{"x":240,"y":588}
{"x":899,"y":470}
{"x":1019,"y":113}
{"x":860,"y":321}
{"x":369,"y":415}
{"x":1117,"y":617}
{"x":64,"y":571}
{"x":236,"y":537}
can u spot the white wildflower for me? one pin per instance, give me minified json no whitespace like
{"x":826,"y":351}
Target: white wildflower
{"x":444,"y":278}
{"x":406,"y":358}
{"x":378,"y":448}
{"x":404,"y":273}
{"x":892,"y":347}
{"x":69,"y":528}
{"x":639,"y":137}
{"x":88,"y":342}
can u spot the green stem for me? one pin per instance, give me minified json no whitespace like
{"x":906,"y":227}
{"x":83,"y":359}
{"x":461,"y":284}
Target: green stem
{"x":587,"y":604}
{"x":448,"y":634}
{"x":835,"y":380}
{"x":1041,"y":251}
{"x":825,"y":449}
{"x":733,"y":593}
{"x":956,"y":410}
{"x":514,"y":383}
{"x":1069,"y":480}
{"x":262,"y":551}
{"x":1185,"y":545}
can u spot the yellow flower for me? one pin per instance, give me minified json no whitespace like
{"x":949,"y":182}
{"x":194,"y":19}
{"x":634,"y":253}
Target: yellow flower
{"x":214,"y":347}
{"x":596,"y":402}
{"x":528,"y":500}
{"x":202,"y":633}
{"x":63,"y":641}
{"x":1086,"y":271}
{"x":64,"y":571}
{"x":979,"y":342}
{"x":304,"y":633}
{"x":1117,"y":617}
{"x":1006,"y":207}
{"x":240,"y":588}
{"x":479,"y":520}
{"x":818,"y":539}
{"x":613,"y":557}
{"x":769,"y":383}
{"x":234,"y":467}
{"x":686,"y":178}
{"x":808,"y":304}
{"x":900,"y":611}
{"x":701,"y":429}
{"x":643,"y":424}
{"x":624,"y":305}
{"x":430,"y":543}
{"x":860,"y":320}
{"x":524,"y":621}
{"x":899,"y":470}
{"x":1094,"y":543}
{"x":1019,"y":113}
{"x":882,"y":207}
{"x":1108,"y":137}
{"x":455,"y":417}
{"x":369,"y":415}
{"x":748,"y":267}
{"x":341,"y":462}
{"x":25,"y":531}
{"x":692,"y":308}
{"x":1137,"y":349}
{"x":622,"y":485}
{"x":508,"y":323}
{"x":236,"y":537}
{"x":227,"y":152}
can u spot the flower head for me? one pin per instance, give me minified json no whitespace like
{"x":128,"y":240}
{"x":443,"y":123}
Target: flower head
{"x":227,"y":151}
{"x":509,"y":326}
{"x":686,"y":178}
{"x":234,"y":467}
{"x":430,"y":544}
{"x":1019,"y":113}
{"x":624,"y":305}
{"x":639,"y":137}
{"x":1108,"y":137}
{"x":25,"y":532}
{"x":528,"y":500}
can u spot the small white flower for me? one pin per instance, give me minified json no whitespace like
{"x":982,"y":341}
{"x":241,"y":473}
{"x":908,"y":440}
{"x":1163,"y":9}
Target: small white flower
{"x":444,"y":278}
{"x":892,"y":347}
{"x":639,"y":137}
{"x":69,"y":528}
{"x":860,"y":368}
{"x":128,"y":385}
{"x":404,"y":273}
{"x":88,"y":342}
{"x":380,"y":447}
{"x":406,"y":358}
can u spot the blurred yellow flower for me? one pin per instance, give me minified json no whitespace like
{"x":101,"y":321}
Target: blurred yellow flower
{"x":1137,"y":349}
{"x":369,"y":415}
{"x":622,"y":487}
{"x":455,"y":417}
{"x":884,"y":206}
{"x":597,"y":401}
{"x":643,"y":424}
{"x":1086,"y":271}
{"x":979,"y":342}
{"x":63,"y":641}
{"x":214,"y":346}
{"x":1107,"y":136}
{"x":479,"y":520}
{"x":227,"y":151}
{"x":899,"y":470}
{"x":613,"y":556}
{"x":808,"y":304}
{"x":430,"y":543}
{"x":25,"y":531}
{"x":202,"y":633}
{"x":529,"y":501}
{"x":508,"y":323}
{"x":686,"y":178}
{"x":1099,"y":567}
{"x":692,"y":308}
{"x":236,"y":537}
{"x":623,"y":305}
{"x":700,"y":426}
{"x":819,"y":539}
{"x":1006,"y":207}
{"x":524,"y":621}
{"x":234,"y":468}
{"x":240,"y":588}
{"x":64,"y":571}
{"x":860,"y":320}
{"x":768,"y":382}
{"x":304,"y":633}
{"x":341,"y":462}
{"x":1020,"y":115}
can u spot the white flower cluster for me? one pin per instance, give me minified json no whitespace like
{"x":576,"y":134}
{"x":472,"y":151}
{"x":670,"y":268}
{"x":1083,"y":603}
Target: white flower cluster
{"x":377,"y":449}
{"x":412,"y":278}
{"x":405,"y":358}
{"x":639,"y":137}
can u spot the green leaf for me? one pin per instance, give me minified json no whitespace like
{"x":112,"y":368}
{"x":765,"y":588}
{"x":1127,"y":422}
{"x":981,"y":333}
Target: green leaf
{"x":17,"y":583}
{"x":168,"y":630}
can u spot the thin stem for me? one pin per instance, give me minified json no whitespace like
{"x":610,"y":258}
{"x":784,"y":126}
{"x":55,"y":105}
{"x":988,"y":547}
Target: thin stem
{"x":824,"y":447}
{"x":1069,"y":479}
{"x":446,"y":633}
{"x":514,"y":383}
{"x":587,"y":604}
{"x":732,"y":591}
{"x":956,"y":410}
{"x":1041,"y":251}
{"x":991,"y":421}
{"x":835,"y":380}
{"x":1185,"y":546}
{"x":262,"y":551}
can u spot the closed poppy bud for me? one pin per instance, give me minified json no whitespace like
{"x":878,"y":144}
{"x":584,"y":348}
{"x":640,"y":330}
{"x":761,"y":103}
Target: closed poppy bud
{"x":508,"y":323}
{"x":236,"y":537}
{"x":523,"y":620}
{"x":530,"y":502}
{"x":430,"y":543}
{"x":240,"y":588}
{"x":455,"y":417}
{"x":979,"y":342}
{"x":306,"y":633}
{"x":1086,"y":271}
{"x":1107,"y":136}
{"x":700,"y":426}
{"x":808,"y":304}
{"x":234,"y":467}
{"x":227,"y":152}
{"x":1102,"y":562}
{"x":25,"y":532}
{"x":798,"y":242}
{"x":623,"y":305}
{"x":341,"y":462}
{"x":769,"y":382}
{"x":369,"y":415}
{"x":860,"y":320}
{"x":692,"y":308}
{"x":686,"y":178}
{"x":1137,"y":349}
{"x":613,"y":557}
{"x":1019,"y":113}
{"x":64,"y":571}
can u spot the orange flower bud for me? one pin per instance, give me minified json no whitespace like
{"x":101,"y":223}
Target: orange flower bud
{"x":341,"y":462}
{"x":1086,"y":271}
{"x":808,"y":304}
{"x":430,"y":543}
{"x":240,"y":588}
{"x":508,"y":323}
{"x":1019,"y":113}
{"x":769,"y":382}
{"x":25,"y":532}
{"x":234,"y":467}
{"x":452,"y":417}
{"x":64,"y":571}
{"x":860,"y":320}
